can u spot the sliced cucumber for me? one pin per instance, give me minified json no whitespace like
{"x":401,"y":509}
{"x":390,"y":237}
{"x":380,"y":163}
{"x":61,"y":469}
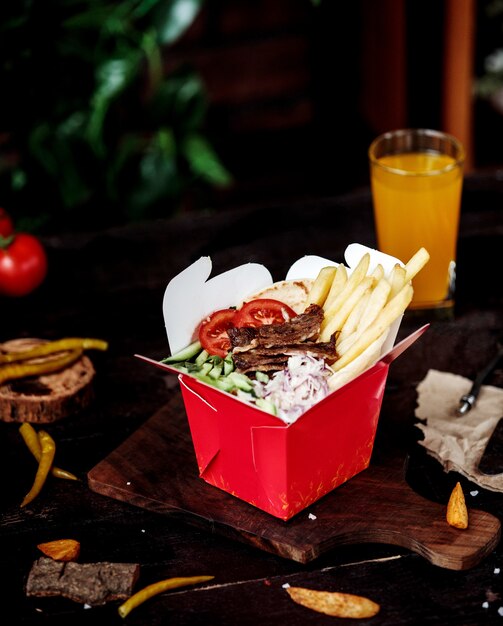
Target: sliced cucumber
{"x":262,"y":377}
{"x":216,"y":370}
{"x":228,"y":365}
{"x":245,"y":395}
{"x":205,"y":368}
{"x":191,"y":367}
{"x":267,"y":406}
{"x":220,"y":373}
{"x":185,"y":354}
{"x":201,"y":358}
{"x":240,"y":381}
{"x":205,"y":378}
{"x":225,"y":384}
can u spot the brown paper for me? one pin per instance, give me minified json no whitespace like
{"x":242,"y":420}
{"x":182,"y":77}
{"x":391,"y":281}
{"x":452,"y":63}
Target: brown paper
{"x":458,"y":443}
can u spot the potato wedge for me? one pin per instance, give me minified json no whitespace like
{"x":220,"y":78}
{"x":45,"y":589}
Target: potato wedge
{"x":334,"y":603}
{"x":457,"y":513}
{"x":61,"y":549}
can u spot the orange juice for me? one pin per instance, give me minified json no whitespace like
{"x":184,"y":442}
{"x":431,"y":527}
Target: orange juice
{"x":416,"y":197}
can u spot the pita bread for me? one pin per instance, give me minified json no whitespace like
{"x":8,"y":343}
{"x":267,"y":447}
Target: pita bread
{"x":290,"y":292}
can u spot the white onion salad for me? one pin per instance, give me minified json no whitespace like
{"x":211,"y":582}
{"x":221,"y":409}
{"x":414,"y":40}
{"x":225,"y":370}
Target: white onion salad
{"x":297,"y":388}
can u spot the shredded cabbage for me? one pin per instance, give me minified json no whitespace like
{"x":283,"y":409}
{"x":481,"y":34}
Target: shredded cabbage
{"x":297,"y":388}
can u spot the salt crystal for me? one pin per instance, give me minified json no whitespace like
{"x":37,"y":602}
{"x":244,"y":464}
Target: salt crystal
{"x":474,"y":492}
{"x":485,"y":605}
{"x":500,"y":610}
{"x":497,"y":570}
{"x":128,"y":482}
{"x":142,"y":530}
{"x":87,"y":606}
{"x":311,"y":516}
{"x":286,"y":586}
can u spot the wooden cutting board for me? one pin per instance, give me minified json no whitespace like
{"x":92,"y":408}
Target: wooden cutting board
{"x":155,"y":468}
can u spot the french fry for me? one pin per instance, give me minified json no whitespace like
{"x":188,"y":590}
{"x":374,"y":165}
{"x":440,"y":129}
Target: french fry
{"x":321,"y":286}
{"x":393,"y":309}
{"x":333,"y":323}
{"x":359,"y":273}
{"x":367,"y":358}
{"x":340,"y":279}
{"x":363,"y":315}
{"x":344,"y":345}
{"x":353,"y":319}
{"x":373,"y":302}
{"x":378,"y":272}
{"x":416,"y":263}
{"x":397,"y":280}
{"x":376,"y":302}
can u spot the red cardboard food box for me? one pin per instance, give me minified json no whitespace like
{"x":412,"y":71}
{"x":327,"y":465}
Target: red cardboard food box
{"x":251,"y":454}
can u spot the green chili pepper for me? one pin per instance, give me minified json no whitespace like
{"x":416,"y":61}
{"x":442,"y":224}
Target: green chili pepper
{"x":155,"y":588}
{"x":32,"y":441}
{"x":21,"y":370}
{"x":48,"y":450}
{"x":50,"y":347}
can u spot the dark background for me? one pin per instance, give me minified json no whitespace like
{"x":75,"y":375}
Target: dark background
{"x":296,"y":90}
{"x":295,"y":96}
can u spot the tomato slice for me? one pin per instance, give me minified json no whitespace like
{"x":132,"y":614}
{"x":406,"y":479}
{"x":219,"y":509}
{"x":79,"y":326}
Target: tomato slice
{"x":213,"y":332}
{"x":263,"y":311}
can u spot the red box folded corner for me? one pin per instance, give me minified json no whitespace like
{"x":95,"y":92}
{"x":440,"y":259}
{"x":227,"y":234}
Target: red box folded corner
{"x":253,"y":455}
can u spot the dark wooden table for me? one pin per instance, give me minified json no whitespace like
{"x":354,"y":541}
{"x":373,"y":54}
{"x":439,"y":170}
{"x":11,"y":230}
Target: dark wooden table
{"x":110,"y":285}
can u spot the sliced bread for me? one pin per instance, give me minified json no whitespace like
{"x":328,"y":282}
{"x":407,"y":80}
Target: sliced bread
{"x":45,"y":398}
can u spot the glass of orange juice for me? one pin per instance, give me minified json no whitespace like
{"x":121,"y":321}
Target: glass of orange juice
{"x":416,"y":178}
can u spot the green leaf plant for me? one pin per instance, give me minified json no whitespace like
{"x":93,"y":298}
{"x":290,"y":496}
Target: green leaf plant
{"x":92,"y":127}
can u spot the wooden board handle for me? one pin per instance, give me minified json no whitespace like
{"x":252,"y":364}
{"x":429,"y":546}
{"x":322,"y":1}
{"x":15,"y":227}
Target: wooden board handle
{"x":420,"y":526}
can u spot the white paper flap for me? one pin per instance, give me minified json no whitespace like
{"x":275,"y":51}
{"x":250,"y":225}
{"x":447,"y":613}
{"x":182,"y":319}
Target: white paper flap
{"x":308,"y":267}
{"x":355,"y":251}
{"x":190,"y":296}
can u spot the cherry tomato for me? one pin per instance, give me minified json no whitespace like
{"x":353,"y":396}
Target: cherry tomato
{"x":263,"y":311}
{"x":213,"y":332}
{"x":23,"y":265}
{"x":6,"y":224}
